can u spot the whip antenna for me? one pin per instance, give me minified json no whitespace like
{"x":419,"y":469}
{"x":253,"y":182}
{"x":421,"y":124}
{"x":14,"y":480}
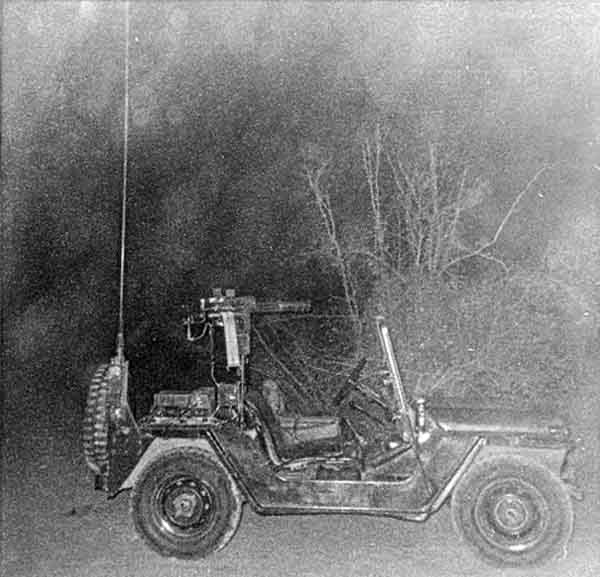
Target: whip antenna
{"x":121,"y":331}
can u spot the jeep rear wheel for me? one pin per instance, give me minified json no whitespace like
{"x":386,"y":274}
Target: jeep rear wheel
{"x":513,"y":512}
{"x":185,"y":505}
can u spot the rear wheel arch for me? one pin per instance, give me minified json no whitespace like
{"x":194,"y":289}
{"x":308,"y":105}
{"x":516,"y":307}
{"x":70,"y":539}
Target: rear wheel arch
{"x":159,"y":447}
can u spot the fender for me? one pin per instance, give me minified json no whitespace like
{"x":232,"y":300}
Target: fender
{"x":551,"y":457}
{"x":158,"y":447}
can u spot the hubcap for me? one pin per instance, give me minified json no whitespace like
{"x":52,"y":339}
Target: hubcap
{"x":511,"y":514}
{"x":185,"y":506}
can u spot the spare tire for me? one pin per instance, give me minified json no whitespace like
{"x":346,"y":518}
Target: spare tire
{"x":95,"y":421}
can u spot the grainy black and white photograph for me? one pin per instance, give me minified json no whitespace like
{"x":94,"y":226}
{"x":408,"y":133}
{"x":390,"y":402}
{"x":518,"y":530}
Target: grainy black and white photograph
{"x":300,"y":288}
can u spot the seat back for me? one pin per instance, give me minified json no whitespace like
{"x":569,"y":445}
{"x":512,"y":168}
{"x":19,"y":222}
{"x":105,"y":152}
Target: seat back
{"x":267,"y":418}
{"x":314,"y":436}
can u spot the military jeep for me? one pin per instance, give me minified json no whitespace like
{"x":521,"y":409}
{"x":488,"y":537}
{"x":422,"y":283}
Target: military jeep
{"x":198,"y":456}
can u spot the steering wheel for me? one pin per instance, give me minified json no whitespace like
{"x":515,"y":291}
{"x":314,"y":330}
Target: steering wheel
{"x":350,"y":384}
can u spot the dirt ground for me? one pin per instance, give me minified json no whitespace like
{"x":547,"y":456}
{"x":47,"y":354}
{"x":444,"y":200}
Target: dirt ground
{"x":55,"y":524}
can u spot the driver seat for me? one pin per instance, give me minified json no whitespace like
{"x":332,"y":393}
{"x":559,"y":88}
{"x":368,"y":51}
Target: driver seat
{"x":295,"y":436}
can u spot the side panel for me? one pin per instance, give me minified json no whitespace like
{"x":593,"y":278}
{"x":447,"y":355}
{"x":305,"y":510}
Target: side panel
{"x":271,"y":491}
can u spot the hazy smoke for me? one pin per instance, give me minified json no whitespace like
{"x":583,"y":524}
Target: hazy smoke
{"x":224,"y":93}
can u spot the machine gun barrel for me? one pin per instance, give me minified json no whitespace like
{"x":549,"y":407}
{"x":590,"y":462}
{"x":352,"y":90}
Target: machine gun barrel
{"x":249,"y":305}
{"x":274,"y":307}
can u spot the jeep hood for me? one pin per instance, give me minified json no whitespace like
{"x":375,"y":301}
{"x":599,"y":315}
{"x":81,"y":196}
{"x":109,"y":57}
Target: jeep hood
{"x":498,"y":421}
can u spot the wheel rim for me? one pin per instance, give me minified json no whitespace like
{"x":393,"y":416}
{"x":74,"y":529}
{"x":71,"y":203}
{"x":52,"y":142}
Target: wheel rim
{"x":185,"y":507}
{"x":511,"y":514}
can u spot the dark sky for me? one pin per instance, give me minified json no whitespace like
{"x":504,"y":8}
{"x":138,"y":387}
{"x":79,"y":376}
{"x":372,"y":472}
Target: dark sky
{"x":224,"y":96}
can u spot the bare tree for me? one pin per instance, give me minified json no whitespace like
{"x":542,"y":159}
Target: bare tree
{"x":314,"y":170}
{"x":428,"y":201}
{"x":419,"y":205}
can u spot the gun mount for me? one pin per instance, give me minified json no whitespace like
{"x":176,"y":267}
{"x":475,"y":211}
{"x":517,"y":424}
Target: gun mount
{"x":233,"y":313}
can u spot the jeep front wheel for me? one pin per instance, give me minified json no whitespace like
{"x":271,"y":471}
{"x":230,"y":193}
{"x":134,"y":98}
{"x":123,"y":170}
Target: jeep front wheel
{"x":513,"y":512}
{"x":185,"y":505}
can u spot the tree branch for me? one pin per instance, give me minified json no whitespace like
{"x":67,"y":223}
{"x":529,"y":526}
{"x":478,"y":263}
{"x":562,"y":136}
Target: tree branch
{"x":480,"y":250}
